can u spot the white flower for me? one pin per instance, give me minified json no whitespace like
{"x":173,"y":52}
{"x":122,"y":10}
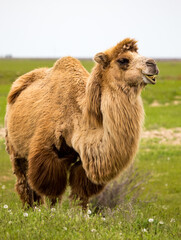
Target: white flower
{"x":103,"y":218}
{"x":166,"y":185}
{"x":89,"y":212}
{"x":10,"y":212}
{"x":36,"y":208}
{"x":172,"y":220}
{"x":5,"y":206}
{"x":150,"y":220}
{"x":3,"y":187}
{"x":10,"y":222}
{"x":161,"y":222}
{"x":53,"y":209}
{"x":93,"y":230}
{"x":144,"y":230}
{"x":65,"y":228}
{"x":25,"y":214}
{"x":164,"y":207}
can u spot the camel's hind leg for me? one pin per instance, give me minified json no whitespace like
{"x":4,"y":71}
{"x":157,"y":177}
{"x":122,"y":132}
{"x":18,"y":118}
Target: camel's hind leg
{"x":27,"y":195}
{"x":47,"y":173}
{"x":48,"y":167}
{"x":81,"y":187}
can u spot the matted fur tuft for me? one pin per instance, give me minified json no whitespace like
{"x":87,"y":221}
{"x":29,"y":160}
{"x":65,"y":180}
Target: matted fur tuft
{"x":123,"y":46}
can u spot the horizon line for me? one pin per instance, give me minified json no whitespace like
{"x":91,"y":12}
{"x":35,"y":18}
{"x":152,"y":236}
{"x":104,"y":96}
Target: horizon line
{"x":9,"y":57}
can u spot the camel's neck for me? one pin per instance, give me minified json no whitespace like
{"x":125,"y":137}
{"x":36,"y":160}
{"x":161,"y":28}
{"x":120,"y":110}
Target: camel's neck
{"x":105,"y":150}
{"x":122,"y":122}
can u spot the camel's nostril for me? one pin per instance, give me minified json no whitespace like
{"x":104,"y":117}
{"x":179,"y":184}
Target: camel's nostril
{"x":157,"y":71}
{"x":150,"y":63}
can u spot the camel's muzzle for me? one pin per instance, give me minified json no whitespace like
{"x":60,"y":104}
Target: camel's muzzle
{"x":149,"y":76}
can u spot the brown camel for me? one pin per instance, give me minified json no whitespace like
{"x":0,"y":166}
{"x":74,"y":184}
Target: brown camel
{"x":66,"y":125}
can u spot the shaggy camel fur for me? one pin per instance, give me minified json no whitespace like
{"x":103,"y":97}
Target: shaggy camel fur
{"x":64,"y":120}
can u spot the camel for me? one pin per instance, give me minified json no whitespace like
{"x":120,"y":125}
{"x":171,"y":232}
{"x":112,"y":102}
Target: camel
{"x":65,"y":126}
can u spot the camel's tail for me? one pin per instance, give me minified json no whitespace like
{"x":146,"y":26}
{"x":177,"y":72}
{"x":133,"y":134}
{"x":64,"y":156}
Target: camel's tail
{"x":23,"y":82}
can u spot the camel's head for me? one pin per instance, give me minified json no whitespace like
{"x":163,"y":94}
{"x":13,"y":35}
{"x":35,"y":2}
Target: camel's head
{"x":120,"y":68}
{"x":124,"y":66}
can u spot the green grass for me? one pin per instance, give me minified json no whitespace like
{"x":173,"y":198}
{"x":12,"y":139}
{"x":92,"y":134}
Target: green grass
{"x":10,"y":69}
{"x":167,"y":117}
{"x":74,"y":225}
{"x":164,"y":163}
{"x":170,"y":70}
{"x":165,"y":91}
{"x":160,"y":195}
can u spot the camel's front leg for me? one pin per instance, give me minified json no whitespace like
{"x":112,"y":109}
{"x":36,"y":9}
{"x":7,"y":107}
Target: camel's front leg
{"x":81,"y":187}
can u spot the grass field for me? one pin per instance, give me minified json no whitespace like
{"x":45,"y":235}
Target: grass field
{"x":155,"y":212}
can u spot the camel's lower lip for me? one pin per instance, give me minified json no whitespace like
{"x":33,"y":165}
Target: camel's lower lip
{"x":150,"y":78}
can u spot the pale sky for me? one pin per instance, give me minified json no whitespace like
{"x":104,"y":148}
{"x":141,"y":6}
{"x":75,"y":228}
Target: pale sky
{"x":81,"y":28}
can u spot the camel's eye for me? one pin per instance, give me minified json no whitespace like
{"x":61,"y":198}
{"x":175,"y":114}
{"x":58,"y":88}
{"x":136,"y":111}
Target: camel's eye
{"x":123,"y":61}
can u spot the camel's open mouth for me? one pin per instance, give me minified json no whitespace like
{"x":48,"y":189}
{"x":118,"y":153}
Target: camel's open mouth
{"x":149,"y":78}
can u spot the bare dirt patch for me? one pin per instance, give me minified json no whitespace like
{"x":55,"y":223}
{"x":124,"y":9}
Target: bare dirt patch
{"x":167,"y":136}
{"x":157,"y":104}
{"x":178,"y":97}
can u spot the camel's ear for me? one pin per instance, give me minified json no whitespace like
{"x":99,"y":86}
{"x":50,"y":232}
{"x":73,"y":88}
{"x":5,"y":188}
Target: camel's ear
{"x":102,"y":59}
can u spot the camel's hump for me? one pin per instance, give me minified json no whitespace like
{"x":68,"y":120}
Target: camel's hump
{"x":24,"y":81}
{"x":69,"y":64}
